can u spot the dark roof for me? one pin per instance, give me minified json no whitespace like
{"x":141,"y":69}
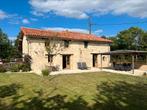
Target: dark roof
{"x":118,"y":52}
{"x":66,"y":35}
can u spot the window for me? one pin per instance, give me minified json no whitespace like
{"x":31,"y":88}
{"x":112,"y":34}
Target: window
{"x":47,"y":43}
{"x":50,"y":58}
{"x":66,"y":43}
{"x":85,"y":44}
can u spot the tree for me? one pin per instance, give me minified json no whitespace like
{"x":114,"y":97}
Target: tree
{"x":16,"y":53}
{"x":54,"y":46}
{"x":8,"y":49}
{"x":133,"y":38}
{"x":5,"y":46}
{"x":144,"y":41}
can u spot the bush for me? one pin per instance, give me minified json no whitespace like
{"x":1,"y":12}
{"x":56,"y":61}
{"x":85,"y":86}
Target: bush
{"x":45,"y":72}
{"x":145,"y":74}
{"x":2,"y":69}
{"x":25,"y":68}
{"x":15,"y":67}
{"x":20,"y":67}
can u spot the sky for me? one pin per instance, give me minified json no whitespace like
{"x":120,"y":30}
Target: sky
{"x":59,"y":15}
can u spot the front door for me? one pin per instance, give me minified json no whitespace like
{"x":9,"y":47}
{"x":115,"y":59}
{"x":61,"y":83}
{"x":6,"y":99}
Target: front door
{"x":95,"y":60}
{"x":66,"y":61}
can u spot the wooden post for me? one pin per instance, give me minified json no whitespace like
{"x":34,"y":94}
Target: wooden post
{"x":133,"y":64}
{"x":101,"y":62}
{"x":146,"y":59}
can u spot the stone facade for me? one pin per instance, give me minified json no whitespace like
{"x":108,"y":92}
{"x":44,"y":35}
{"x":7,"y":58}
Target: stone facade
{"x":78,"y":53}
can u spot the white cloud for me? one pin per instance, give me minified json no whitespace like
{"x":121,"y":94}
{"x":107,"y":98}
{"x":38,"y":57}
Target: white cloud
{"x":36,"y":13}
{"x":81,"y":8}
{"x":12,"y":38}
{"x":33,"y":19}
{"x":25,"y":21}
{"x":15,"y":18}
{"x":97,"y":32}
{"x":3,"y":15}
{"x":64,"y":29}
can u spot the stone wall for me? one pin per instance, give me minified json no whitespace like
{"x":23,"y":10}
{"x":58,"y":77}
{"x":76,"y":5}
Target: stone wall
{"x":36,"y":49}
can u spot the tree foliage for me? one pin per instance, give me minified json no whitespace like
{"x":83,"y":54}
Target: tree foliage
{"x":5,"y":45}
{"x":8,"y":50}
{"x":54,"y":45}
{"x":133,"y":38}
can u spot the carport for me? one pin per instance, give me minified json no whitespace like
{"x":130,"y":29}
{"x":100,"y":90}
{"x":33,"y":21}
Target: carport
{"x":127,"y":59}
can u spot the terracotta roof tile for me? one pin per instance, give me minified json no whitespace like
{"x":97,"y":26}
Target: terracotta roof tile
{"x":63,"y":35}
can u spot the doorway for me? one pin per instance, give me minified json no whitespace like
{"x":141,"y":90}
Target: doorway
{"x":66,"y":61}
{"x":95,"y":60}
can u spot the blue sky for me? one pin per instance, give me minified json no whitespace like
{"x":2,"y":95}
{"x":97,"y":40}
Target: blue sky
{"x":71,"y":15}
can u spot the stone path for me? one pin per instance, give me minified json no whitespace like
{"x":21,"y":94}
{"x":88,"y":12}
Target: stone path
{"x":136,"y":73}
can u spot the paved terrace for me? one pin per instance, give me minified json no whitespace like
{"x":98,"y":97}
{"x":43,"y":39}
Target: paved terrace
{"x":136,"y":72}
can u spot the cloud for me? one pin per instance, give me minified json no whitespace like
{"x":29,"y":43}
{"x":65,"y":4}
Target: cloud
{"x":64,"y":29}
{"x":12,"y":38}
{"x":21,"y":20}
{"x":15,"y":18}
{"x":81,"y":8}
{"x":33,"y":19}
{"x":97,"y":32}
{"x":3,"y":15}
{"x":25,"y":21}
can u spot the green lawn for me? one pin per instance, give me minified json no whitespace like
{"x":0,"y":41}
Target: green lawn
{"x":87,"y":91}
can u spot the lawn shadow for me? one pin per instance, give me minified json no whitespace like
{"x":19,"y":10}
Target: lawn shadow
{"x":40,"y":100}
{"x":56,"y":102}
{"x":117,"y":95}
{"x":9,"y":91}
{"x":121,"y":96}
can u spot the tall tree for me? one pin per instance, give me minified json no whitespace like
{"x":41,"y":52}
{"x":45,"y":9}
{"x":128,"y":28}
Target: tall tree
{"x":16,"y":52}
{"x":54,"y":46}
{"x":8,"y":49}
{"x":5,"y":45}
{"x":132,"y":39}
{"x":144,"y":41}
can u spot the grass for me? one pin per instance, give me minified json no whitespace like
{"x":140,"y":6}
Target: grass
{"x":87,"y":91}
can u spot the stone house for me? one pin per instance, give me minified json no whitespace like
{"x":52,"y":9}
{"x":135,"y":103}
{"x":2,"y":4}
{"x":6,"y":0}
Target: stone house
{"x":76,"y":48}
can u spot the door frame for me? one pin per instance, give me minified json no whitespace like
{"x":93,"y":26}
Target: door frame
{"x":66,"y":61}
{"x":95,"y":60}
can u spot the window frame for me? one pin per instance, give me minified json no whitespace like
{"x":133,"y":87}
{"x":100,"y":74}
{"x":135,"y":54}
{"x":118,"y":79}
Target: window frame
{"x":86,"y":44}
{"x":47,"y":43}
{"x":66,"y":43}
{"x":50,"y":58}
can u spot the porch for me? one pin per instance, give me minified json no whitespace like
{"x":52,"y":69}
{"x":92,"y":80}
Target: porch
{"x":127,"y":60}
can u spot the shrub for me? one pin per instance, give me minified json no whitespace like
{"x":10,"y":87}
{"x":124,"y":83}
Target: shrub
{"x":25,"y":68}
{"x":2,"y":69}
{"x":145,"y":74}
{"x":20,"y":67}
{"x":45,"y":72}
{"x":15,"y":67}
